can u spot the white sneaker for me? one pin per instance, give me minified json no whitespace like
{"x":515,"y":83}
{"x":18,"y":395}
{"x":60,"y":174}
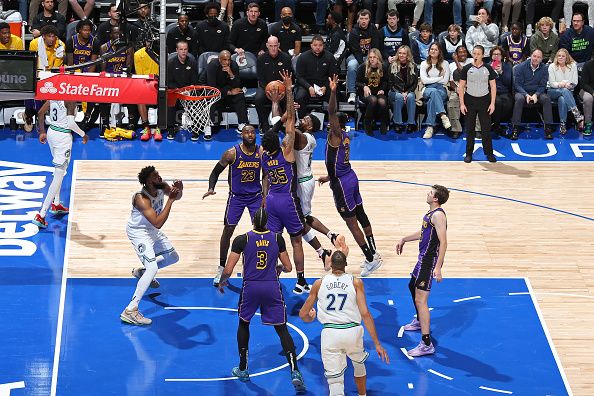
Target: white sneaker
{"x":217,"y":278}
{"x":207,"y":131}
{"x":446,"y":121}
{"x":352,"y":98}
{"x":428,"y":133}
{"x":370,"y":267}
{"x":528,"y":31}
{"x":134,"y":317}
{"x":411,"y":29}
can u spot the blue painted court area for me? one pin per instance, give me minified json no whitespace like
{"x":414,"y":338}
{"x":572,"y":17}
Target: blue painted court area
{"x":494,"y":340}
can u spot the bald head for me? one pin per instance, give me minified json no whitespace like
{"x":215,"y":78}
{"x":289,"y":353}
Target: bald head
{"x":273,"y":46}
{"x":225,"y":58}
{"x":286,"y":15}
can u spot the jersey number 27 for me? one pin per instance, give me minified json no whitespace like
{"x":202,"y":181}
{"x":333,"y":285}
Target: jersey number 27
{"x":333,"y":298}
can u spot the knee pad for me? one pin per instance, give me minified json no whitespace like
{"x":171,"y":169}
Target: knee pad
{"x":336,"y":385}
{"x":362,"y":216}
{"x":360,"y":370}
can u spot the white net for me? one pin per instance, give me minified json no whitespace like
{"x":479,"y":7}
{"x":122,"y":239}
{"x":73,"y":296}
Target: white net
{"x":197,"y":109}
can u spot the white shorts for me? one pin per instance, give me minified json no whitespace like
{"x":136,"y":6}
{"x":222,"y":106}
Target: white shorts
{"x":60,"y":144}
{"x":305,"y":192}
{"x":337,"y":344}
{"x":149,"y":246}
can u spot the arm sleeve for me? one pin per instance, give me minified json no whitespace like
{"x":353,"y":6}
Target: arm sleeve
{"x":73,"y":126}
{"x":239,"y":243}
{"x":282,"y":246}
{"x":214,"y":176}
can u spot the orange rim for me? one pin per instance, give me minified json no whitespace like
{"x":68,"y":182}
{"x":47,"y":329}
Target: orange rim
{"x":177,"y":93}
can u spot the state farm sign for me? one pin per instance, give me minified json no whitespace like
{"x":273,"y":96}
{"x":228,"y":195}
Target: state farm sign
{"x":99,"y":88}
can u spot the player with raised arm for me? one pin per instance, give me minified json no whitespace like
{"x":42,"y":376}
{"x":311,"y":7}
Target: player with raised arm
{"x":345,"y":184}
{"x":59,"y":139}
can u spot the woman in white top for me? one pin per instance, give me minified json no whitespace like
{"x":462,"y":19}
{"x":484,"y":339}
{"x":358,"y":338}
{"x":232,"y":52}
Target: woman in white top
{"x":435,"y":74}
{"x":563,"y":77}
{"x":483,"y":32}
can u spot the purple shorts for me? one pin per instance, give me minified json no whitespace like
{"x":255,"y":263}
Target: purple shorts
{"x":236,"y":204}
{"x":345,"y":190}
{"x":284,"y":210}
{"x":423,"y":273}
{"x":265,"y":295}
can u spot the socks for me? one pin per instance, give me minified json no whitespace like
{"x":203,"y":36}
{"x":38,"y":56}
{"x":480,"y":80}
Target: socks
{"x":320,"y":251}
{"x":53,"y":191}
{"x":371,"y":242}
{"x":243,"y":358}
{"x":426,"y":339}
{"x":292,"y":360}
{"x":300,"y":277}
{"x":367,"y":253}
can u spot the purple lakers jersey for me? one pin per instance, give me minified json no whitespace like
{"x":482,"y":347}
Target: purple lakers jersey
{"x":260,"y":256}
{"x":429,"y":242}
{"x":337,"y":158}
{"x":82,"y":52}
{"x":282,"y":174}
{"x":117,"y":63}
{"x":516,"y":50}
{"x":244,"y":172}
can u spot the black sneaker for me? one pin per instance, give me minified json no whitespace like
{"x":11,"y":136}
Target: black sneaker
{"x":491,"y":158}
{"x":171,"y":135}
{"x":411,"y":128}
{"x":195,"y":136}
{"x":548,"y":132}
{"x":468,"y":159}
{"x":301,"y":287}
{"x":515,"y":133}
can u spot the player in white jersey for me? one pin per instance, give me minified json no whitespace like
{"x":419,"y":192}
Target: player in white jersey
{"x":341,"y":307}
{"x":59,"y":139}
{"x":154,"y":250}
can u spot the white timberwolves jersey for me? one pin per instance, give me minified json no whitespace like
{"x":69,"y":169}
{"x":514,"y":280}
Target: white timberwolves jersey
{"x":337,"y":301}
{"x":137,"y":219}
{"x":58,"y":116}
{"x":303,"y":157}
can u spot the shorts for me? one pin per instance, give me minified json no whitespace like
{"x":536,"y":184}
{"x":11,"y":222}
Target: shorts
{"x":305,"y":192}
{"x":337,"y":344}
{"x":423,"y":274}
{"x":148,"y":245}
{"x":236,"y":204}
{"x":60,"y":144}
{"x":284,"y":211}
{"x":347,"y":197}
{"x":265,"y":295}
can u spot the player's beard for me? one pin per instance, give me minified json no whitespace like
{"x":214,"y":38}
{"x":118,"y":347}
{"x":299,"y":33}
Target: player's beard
{"x":159,"y":186}
{"x":249,"y":145}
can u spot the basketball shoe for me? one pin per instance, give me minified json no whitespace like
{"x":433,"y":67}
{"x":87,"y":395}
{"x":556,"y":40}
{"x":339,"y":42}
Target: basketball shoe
{"x":134,"y":317}
{"x":58,"y":209}
{"x":301,"y":287}
{"x":158,"y":136}
{"x":413,"y":326}
{"x":146,"y":134}
{"x":39,"y":221}
{"x":422,"y":349}
{"x":217,"y":278}
{"x":297,"y":380}
{"x":370,"y":267}
{"x":110,"y":134}
{"x":242,"y":375}
{"x":125,"y":133}
{"x":138,"y":272}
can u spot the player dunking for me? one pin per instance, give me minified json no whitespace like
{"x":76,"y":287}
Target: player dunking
{"x":59,"y":139}
{"x":144,"y":231}
{"x":345,"y":184}
{"x":341,"y":306}
{"x":261,"y":289}
{"x":432,"y":248}
{"x":245,"y":190}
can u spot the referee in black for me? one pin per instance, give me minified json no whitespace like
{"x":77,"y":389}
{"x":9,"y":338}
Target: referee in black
{"x":477,"y":91}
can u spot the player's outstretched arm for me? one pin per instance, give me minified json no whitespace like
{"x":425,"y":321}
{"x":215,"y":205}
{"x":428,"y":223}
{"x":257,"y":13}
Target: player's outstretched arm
{"x":289,"y":139}
{"x":143,"y":204}
{"x":307,"y":313}
{"x":227,"y":158}
{"x":368,"y":319}
{"x":334,"y":129}
{"x":72,"y":125}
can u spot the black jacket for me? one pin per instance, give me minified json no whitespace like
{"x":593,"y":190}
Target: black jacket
{"x":250,"y":37}
{"x":181,"y":74}
{"x":216,"y":77}
{"x":176,"y":34}
{"x":333,"y":44}
{"x":212,"y":38}
{"x":409,"y":84}
{"x":269,"y":67}
{"x":312,"y":69}
{"x":58,"y":20}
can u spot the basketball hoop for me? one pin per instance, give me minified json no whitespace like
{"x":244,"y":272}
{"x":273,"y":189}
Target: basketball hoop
{"x":196,"y":101}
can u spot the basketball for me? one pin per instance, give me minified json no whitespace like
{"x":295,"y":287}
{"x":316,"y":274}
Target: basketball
{"x":275,"y":84}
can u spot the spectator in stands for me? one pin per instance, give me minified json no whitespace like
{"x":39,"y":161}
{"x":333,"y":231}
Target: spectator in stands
{"x":451,"y":42}
{"x":182,"y":71}
{"x":363,"y":37}
{"x":49,"y":17}
{"x":82,"y":13}
{"x":9,"y":41}
{"x":545,"y":39}
{"x":392,"y":37}
{"x":470,"y":6}
{"x":224,"y":74}
{"x":456,"y":8}
{"x":183,"y":31}
{"x":34,"y":10}
{"x":314,"y":68}
{"x":563,"y":78}
{"x":287,"y":32}
{"x":269,"y":65}
{"x":568,"y":9}
{"x":516,"y":45}
{"x":531,"y":8}
{"x":381,"y":8}
{"x":587,"y":94}
{"x":460,"y":60}
{"x":24,"y":9}
{"x":83,"y":47}
{"x":503,"y":82}
{"x":212,"y":34}
{"x":372,"y":88}
{"x":351,"y":6}
{"x":578,"y":40}
{"x":483,"y":32}
{"x":146,"y":62}
{"x":145,"y":26}
{"x":336,"y":40}
{"x":249,"y":33}
{"x":530,"y":83}
{"x":404,"y":78}
{"x":226,"y":6}
{"x":515,"y":6}
{"x":321,"y":11}
{"x":435,"y":74}
{"x":104,"y":28}
{"x":420,"y":45}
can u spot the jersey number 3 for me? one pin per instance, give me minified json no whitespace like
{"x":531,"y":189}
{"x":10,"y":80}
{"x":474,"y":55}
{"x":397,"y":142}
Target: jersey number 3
{"x":333,"y":298}
{"x":262,"y":259}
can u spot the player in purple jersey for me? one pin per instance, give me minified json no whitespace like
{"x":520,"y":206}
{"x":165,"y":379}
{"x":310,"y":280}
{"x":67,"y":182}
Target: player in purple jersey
{"x":345,"y":184}
{"x":432,"y":248}
{"x":261,"y":289}
{"x":83,"y":46}
{"x":245,"y":190}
